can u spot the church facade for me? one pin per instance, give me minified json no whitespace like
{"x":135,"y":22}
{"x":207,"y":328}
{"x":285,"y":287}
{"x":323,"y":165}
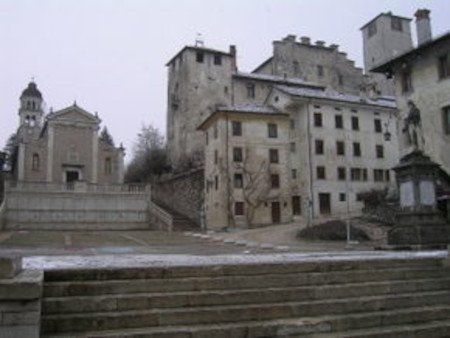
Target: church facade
{"x":63,"y":146}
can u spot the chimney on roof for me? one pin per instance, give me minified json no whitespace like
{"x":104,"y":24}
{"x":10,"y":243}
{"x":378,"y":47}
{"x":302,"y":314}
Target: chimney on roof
{"x":334,"y":46}
{"x":305,"y":40}
{"x":233,"y":53}
{"x":290,"y":38}
{"x":423,"y":26}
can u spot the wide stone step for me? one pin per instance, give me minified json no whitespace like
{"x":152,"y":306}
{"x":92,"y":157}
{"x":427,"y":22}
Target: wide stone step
{"x":161,"y":284}
{"x":256,"y":268}
{"x":82,"y":304}
{"x":411,"y":322}
{"x":236,"y":313}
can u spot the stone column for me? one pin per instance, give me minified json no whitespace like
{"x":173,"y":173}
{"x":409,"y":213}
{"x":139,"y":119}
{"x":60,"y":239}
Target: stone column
{"x":94,"y":156}
{"x":50,"y":149}
{"x":21,"y":162}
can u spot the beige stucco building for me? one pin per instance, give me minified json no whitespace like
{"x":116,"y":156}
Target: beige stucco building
{"x":63,"y":146}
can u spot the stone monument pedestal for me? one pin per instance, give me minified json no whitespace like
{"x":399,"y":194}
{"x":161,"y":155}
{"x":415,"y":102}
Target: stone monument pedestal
{"x":419,"y":225}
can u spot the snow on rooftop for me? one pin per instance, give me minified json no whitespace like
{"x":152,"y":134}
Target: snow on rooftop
{"x":336,"y":96}
{"x":129,"y":261}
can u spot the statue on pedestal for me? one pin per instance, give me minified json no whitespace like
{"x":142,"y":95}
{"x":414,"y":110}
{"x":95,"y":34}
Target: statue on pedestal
{"x":413,"y":127}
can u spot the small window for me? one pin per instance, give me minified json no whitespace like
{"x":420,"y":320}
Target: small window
{"x":320,"y":171}
{"x":377,"y":125}
{"x":341,"y":173}
{"x":206,"y":137}
{"x":355,"y":123}
{"x":237,"y":154}
{"x":216,"y":157}
{"x":35,"y":162}
{"x":294,"y":174}
{"x":317,"y":119}
{"x":217,"y":59}
{"x":356,"y":174}
{"x":319,"y":70}
{"x":340,"y":80}
{"x":273,"y":156}
{"x":387,"y":176}
{"x":364,"y":173}
{"x":239,"y":208}
{"x":275,"y":181}
{"x":406,"y":81}
{"x":379,"y":150}
{"x":319,"y":147}
{"x":250,"y":90}
{"x":216,"y":131}
{"x":108,"y":166}
{"x":199,"y":57}
{"x":293,"y":147}
{"x":238,"y":181}
{"x":296,"y":68}
{"x":372,"y":29}
{"x":378,"y":175}
{"x":356,"y":149}
{"x":296,"y":205}
{"x":342,"y":197}
{"x":237,"y":128}
{"x":216,"y":182}
{"x":446,"y":119}
{"x":444,"y":66}
{"x":272,"y":129}
{"x":396,"y":24}
{"x":340,"y":148}
{"x":338,"y":121}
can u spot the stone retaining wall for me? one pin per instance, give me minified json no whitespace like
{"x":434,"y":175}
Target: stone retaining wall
{"x":182,"y":193}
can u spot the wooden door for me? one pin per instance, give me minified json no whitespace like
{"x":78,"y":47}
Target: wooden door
{"x":276,"y":212}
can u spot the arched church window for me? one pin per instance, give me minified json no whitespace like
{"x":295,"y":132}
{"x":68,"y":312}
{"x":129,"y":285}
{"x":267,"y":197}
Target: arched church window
{"x":28,"y":104}
{"x":35,"y":162}
{"x":34,"y":105}
{"x":108,"y":165}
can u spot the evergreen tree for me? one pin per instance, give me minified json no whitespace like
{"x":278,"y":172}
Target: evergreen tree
{"x":106,"y":137}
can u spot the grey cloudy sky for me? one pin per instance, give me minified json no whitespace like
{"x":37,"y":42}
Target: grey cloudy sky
{"x":110,"y":55}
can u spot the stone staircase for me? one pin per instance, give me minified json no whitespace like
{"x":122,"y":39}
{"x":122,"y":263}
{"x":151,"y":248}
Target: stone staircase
{"x":365,"y":298}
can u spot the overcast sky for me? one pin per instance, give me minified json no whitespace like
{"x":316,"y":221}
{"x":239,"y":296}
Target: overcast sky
{"x":110,"y":55}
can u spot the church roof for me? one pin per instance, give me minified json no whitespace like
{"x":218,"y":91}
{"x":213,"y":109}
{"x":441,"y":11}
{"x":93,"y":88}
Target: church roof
{"x":32,"y":91}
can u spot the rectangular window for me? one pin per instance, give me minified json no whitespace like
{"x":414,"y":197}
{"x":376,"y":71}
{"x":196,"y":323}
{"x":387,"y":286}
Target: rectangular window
{"x":355,"y":123}
{"x":406,"y":81}
{"x":296,"y":205}
{"x":319,"y":70}
{"x":239,"y":208}
{"x":342,"y":197}
{"x":372,"y":29}
{"x":341,"y":173}
{"x":446,"y":119}
{"x":396,"y":24}
{"x":237,"y":128}
{"x":378,"y":175}
{"x":206,"y":137}
{"x":356,"y":149}
{"x":250,"y":90}
{"x":379,"y":150}
{"x":216,"y":131}
{"x":338,"y":121}
{"x":238,"y":181}
{"x":340,"y":148}
{"x":199,"y":57}
{"x":273,"y":156}
{"x":387,"y":175}
{"x":340,"y":80}
{"x":320,"y":171}
{"x":292,"y":123}
{"x":293,"y":147}
{"x":216,"y":157}
{"x":216,"y":182}
{"x":237,"y":154}
{"x":444,"y":66}
{"x":356,"y":174}
{"x":274,"y":181}
{"x":377,"y":125}
{"x":319,"y":147}
{"x":317,"y":119}
{"x":364,"y":173}
{"x":217,"y":59}
{"x":272,"y":130}
{"x":294,"y":174}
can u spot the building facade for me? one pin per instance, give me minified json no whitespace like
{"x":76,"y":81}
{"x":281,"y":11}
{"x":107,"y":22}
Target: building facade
{"x":422,"y":86}
{"x":63,"y":146}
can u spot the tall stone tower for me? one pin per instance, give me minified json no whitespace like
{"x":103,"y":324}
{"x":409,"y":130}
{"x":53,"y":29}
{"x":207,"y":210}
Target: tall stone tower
{"x":199,"y":80}
{"x":385,"y":37}
{"x":30,"y":110}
